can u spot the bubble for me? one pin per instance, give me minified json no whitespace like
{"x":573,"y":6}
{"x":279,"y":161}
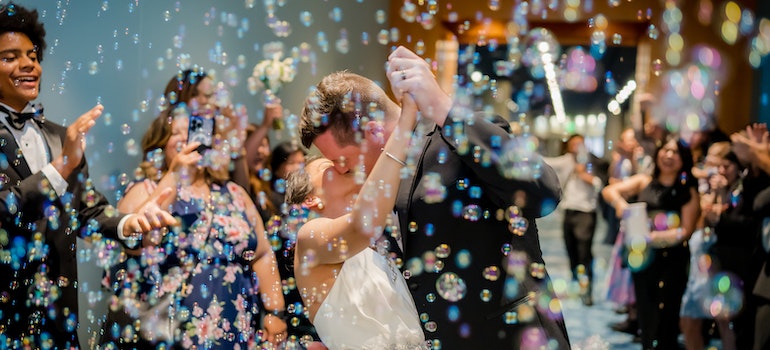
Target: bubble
{"x":431,"y":326}
{"x":93,"y":68}
{"x":617,"y":39}
{"x":408,"y":12}
{"x":335,"y":14}
{"x":453,"y":313}
{"x":471,"y":212}
{"x":383,"y":37}
{"x":433,"y":7}
{"x":657,"y":66}
{"x":463,"y":259}
{"x":419,"y":48}
{"x":380,"y":16}
{"x":394,"y":34}
{"x":442,"y":251}
{"x":652,"y":32}
{"x":125,"y":129}
{"x":430,"y":297}
{"x":306,"y":18}
{"x":491,"y":273}
{"x":511,"y":317}
{"x":132,"y":148}
{"x":451,"y":287}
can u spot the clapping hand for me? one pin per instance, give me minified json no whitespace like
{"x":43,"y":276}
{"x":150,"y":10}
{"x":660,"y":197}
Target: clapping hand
{"x":75,"y":141}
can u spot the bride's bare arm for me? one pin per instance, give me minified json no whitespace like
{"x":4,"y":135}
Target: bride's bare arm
{"x":333,"y":240}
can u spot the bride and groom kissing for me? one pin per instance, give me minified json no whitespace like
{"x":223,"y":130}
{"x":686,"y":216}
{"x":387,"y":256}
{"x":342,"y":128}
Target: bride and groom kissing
{"x":470,"y":276}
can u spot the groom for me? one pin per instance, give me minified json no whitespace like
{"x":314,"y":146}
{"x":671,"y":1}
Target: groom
{"x":475,"y":283}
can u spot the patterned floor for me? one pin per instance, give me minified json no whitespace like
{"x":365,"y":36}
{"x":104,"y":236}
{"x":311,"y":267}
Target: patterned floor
{"x":588,"y":327}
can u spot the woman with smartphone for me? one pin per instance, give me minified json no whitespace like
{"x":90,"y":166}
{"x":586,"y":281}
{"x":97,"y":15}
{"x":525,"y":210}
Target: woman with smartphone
{"x":197,"y":286}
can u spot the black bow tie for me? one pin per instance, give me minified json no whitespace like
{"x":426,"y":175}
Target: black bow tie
{"x":17,"y":120}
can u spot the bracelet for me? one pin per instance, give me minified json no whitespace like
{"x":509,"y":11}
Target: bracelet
{"x":399,"y":161}
{"x":277,"y":313}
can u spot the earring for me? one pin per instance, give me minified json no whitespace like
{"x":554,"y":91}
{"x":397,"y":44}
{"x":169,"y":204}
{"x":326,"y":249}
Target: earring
{"x":320,"y":205}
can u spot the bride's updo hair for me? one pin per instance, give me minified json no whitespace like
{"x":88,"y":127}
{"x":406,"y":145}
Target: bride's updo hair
{"x":298,"y":185}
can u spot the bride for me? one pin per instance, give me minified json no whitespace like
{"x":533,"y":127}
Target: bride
{"x":356,"y":297}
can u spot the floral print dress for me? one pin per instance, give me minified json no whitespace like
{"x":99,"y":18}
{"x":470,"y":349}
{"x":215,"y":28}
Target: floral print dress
{"x":203,"y":269}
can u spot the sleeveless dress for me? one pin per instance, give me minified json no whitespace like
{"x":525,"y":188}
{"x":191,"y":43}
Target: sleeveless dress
{"x":200,"y":275}
{"x":661,"y":278}
{"x":369,"y":307}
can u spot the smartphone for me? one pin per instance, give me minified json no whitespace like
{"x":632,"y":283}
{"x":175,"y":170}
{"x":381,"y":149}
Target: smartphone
{"x":201,"y":130}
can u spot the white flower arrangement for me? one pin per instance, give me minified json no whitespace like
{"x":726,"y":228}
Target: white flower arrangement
{"x":273,"y":73}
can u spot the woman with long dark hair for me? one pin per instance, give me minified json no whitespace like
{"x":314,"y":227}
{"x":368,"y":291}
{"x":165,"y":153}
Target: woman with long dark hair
{"x":659,"y":263}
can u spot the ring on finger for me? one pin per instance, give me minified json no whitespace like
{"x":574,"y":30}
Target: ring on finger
{"x":403,"y":75}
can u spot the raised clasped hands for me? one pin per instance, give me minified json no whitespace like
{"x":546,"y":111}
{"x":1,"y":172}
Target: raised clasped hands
{"x":410,"y":74}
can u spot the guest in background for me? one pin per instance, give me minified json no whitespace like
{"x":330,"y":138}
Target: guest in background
{"x":47,"y":199}
{"x":200,"y":284}
{"x":285,"y":158}
{"x":729,"y":212}
{"x":582,"y":176}
{"x":628,"y":159}
{"x":659,"y":268}
{"x":693,"y":310}
{"x":753,"y":146}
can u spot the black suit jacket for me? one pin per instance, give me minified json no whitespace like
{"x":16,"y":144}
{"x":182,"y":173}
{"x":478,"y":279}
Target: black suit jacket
{"x":762,"y":210}
{"x":480,"y":285}
{"x":38,"y":268}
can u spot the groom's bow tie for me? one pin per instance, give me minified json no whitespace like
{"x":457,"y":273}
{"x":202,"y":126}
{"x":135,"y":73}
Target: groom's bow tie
{"x":17,"y":119}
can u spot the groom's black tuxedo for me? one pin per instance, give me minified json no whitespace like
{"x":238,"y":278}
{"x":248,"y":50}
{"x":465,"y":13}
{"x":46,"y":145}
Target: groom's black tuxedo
{"x":459,"y":251}
{"x":38,"y":263}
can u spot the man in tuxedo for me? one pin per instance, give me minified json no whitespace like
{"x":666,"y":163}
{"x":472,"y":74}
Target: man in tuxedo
{"x":469,"y":243}
{"x":46,"y":199}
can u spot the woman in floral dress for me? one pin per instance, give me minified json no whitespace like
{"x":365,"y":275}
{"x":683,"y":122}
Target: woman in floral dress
{"x":197,"y":286}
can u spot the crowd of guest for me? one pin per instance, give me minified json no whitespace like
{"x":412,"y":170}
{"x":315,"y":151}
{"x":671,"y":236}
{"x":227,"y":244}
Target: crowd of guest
{"x":222,"y":276}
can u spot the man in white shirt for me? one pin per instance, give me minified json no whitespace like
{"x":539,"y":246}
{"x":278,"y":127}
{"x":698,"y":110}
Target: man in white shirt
{"x":46,"y":199}
{"x":581,"y":175}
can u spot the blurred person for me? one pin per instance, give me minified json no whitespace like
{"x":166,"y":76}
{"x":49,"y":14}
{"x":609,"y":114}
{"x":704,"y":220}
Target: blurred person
{"x":693,"y":311}
{"x":285,"y":158}
{"x":659,"y":267}
{"x":628,"y":158}
{"x":729,"y":212}
{"x":753,"y":146}
{"x":253,"y":171}
{"x":582,"y":176}
{"x":356,"y":297}
{"x":448,"y":176}
{"x":47,"y":199}
{"x":207,"y":275}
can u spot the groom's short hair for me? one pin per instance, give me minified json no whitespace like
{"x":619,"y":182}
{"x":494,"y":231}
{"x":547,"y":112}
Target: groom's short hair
{"x":338,"y":103}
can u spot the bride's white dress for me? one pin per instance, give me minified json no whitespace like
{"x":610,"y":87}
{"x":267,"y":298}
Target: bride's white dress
{"x":369,"y":307}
